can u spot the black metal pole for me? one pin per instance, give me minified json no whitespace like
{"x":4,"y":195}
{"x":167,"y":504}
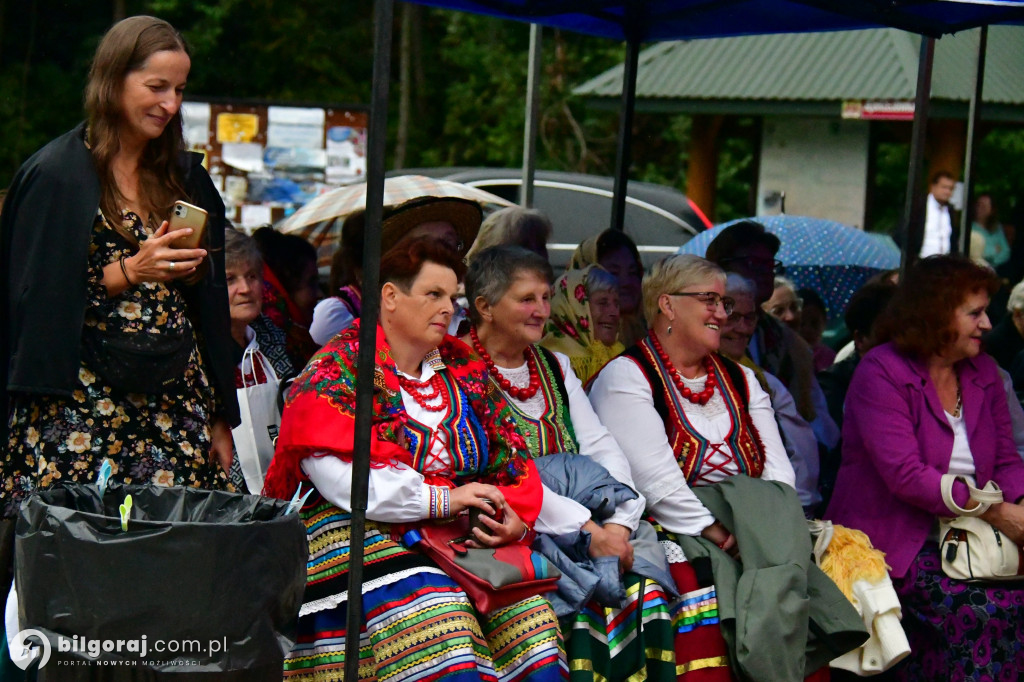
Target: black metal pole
{"x":532,"y":114}
{"x":622,"y":159}
{"x":912,"y":228}
{"x":377,"y":143}
{"x":973,"y":118}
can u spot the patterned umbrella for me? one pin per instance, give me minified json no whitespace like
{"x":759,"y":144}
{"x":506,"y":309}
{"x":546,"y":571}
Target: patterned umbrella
{"x":320,"y":220}
{"x":831,"y":258}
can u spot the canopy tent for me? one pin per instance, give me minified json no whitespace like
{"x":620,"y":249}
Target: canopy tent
{"x":651,"y":20}
{"x":634,"y":21}
{"x":637,"y":21}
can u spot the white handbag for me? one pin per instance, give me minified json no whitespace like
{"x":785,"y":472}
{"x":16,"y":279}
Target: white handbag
{"x":973,"y":549}
{"x":255,"y":437}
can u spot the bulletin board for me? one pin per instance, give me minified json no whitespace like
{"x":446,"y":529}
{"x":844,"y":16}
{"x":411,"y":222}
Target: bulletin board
{"x":269,"y":159}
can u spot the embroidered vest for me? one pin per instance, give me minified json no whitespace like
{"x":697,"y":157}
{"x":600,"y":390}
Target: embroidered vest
{"x":690,"y":447}
{"x":460,"y":430}
{"x":552,"y":432}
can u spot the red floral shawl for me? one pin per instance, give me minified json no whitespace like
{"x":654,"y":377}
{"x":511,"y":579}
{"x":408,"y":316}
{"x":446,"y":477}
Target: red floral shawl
{"x":319,"y":416}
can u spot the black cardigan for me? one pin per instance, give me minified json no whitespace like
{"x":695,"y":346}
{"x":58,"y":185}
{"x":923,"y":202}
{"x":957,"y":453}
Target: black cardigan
{"x":45,"y":231}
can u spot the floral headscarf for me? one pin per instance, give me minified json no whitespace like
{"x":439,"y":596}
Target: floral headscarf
{"x":632,"y":327}
{"x":585,"y":254}
{"x":570,"y":327}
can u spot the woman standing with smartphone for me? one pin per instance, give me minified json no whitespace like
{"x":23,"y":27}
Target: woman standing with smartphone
{"x":115,"y":344}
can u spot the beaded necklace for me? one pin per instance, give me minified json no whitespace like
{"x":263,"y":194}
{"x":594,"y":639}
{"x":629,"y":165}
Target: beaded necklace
{"x":421,"y":393}
{"x":516,"y":392}
{"x":701,"y":398}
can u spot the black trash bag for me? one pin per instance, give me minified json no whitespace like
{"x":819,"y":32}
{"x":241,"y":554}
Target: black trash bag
{"x":216,"y":577}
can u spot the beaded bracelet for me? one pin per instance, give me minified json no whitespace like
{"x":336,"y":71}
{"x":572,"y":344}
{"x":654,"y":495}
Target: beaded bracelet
{"x":124,"y":271}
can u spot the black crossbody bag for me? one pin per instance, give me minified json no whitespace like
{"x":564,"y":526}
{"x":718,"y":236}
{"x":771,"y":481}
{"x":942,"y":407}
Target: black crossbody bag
{"x":137,"y":362}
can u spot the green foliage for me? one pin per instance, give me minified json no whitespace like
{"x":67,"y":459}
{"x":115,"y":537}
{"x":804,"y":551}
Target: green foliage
{"x":998,"y":171}
{"x":737,"y":172}
{"x":889,"y":193}
{"x":482,"y":105}
{"x":468,"y":91}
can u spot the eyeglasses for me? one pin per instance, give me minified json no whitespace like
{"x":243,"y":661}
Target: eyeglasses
{"x":749,"y":318}
{"x":757,"y":264}
{"x":711,"y":299}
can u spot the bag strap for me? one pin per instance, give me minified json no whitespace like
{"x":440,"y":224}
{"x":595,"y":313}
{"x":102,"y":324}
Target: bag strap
{"x":985,"y":497}
{"x":251,"y":354}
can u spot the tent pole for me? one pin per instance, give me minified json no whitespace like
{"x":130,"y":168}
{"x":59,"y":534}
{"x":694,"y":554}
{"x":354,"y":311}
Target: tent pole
{"x":912,"y":228}
{"x":973,"y":118}
{"x":532,"y":112}
{"x":377,"y":143}
{"x":622,"y":159}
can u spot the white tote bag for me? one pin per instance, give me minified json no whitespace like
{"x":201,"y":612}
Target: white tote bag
{"x":255,"y":436}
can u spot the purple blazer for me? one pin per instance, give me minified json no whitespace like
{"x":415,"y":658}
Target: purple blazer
{"x":897,"y":443}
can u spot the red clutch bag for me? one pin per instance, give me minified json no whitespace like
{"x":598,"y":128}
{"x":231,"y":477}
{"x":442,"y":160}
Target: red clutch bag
{"x":491,"y":577}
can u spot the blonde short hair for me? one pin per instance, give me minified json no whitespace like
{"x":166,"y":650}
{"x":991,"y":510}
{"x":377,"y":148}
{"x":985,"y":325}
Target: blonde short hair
{"x":674,"y":274}
{"x":512,"y":225}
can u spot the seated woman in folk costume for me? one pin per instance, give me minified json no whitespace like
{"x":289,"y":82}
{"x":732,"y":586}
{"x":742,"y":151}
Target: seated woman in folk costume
{"x":705,"y":451}
{"x":615,"y":616}
{"x":443,"y":443}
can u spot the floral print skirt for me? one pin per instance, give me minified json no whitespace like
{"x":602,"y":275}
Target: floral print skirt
{"x":161,"y":439}
{"x":959,"y":630}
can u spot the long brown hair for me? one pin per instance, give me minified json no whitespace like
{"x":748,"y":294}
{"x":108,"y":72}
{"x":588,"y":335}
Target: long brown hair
{"x":124,"y":49}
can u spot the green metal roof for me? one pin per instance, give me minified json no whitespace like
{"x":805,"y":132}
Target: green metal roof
{"x":878,"y":64}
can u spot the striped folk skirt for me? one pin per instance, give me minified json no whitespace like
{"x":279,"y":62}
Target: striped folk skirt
{"x":701,"y":651}
{"x":630,"y":644}
{"x":417,"y":623}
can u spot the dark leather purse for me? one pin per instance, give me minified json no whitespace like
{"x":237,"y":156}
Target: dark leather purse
{"x":136,"y":362}
{"x":493,"y":577}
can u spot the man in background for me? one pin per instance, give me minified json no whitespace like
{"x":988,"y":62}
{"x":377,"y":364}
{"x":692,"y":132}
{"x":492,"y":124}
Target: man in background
{"x":938,"y":226}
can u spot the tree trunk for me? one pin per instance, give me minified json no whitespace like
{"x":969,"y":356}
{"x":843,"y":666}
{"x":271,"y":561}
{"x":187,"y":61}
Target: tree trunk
{"x":27,"y":63}
{"x":419,"y":75}
{"x":702,"y":172}
{"x":404,"y":86}
{"x":3,"y":24}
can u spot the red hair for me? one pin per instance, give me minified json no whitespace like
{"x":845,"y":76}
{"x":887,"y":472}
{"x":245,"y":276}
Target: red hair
{"x":402,"y":264}
{"x":919,"y":319}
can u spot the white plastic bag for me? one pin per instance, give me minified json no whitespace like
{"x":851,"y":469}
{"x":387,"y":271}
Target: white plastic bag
{"x":255,"y":436}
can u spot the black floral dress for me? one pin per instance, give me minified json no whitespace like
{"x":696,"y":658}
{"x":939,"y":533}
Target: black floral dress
{"x":161,"y":439}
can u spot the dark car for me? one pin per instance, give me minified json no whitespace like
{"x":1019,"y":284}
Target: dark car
{"x":660,"y":219}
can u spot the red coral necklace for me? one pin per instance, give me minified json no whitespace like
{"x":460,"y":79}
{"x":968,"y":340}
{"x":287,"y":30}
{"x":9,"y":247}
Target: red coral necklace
{"x":701,"y":398}
{"x":421,"y":393}
{"x":520,"y":394}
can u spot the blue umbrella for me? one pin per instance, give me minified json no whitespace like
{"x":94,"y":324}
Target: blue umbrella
{"x":831,"y":258}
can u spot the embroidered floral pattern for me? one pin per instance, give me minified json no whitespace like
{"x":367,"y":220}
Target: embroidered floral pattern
{"x":552,"y":431}
{"x":569,"y":329}
{"x":331,"y":376}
